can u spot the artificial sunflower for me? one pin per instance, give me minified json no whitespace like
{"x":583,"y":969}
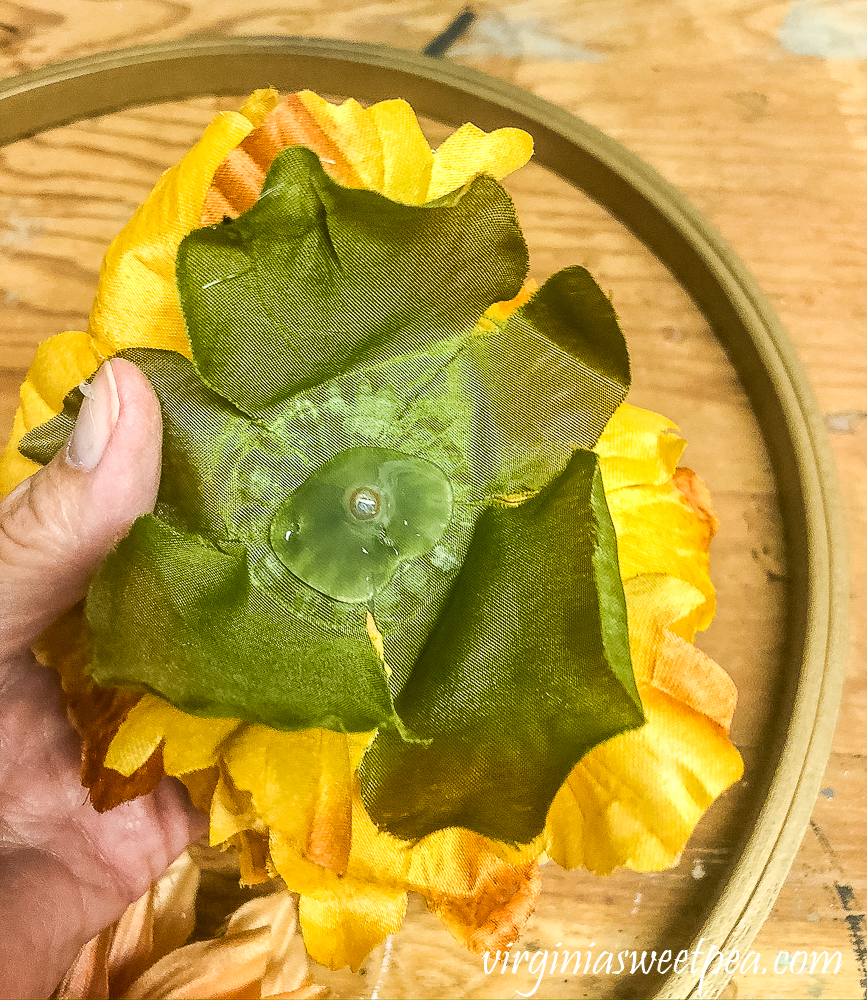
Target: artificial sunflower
{"x":427,"y":586}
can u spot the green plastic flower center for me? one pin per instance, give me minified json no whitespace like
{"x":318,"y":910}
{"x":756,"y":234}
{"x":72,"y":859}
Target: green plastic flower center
{"x":347,"y":529}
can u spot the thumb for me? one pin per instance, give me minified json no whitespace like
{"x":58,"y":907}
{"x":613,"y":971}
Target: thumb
{"x":58,"y":525}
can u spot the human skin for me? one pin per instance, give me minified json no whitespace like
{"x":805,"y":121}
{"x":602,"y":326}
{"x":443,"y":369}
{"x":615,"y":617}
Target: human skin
{"x":67,"y":871}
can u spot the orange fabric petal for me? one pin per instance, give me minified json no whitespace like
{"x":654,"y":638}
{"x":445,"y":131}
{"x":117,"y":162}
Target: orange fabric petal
{"x":694,"y":679}
{"x":254,"y":862}
{"x":454,"y":862}
{"x":660,"y":607}
{"x":286,"y":972}
{"x":238,"y":180}
{"x":96,"y":712}
{"x":217,"y":968}
{"x":381,"y":148}
{"x":300,"y":777}
{"x":87,"y":977}
{"x":694,"y":490}
{"x":493,"y":917}
{"x":309,"y":992}
{"x":174,"y":906}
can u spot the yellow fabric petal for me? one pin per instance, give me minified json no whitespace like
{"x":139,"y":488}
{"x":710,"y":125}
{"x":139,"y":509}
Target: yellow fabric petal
{"x":253,"y":860}
{"x":637,"y":447}
{"x":658,"y":532}
{"x":453,"y":862}
{"x":477,"y":893}
{"x":299,"y":874}
{"x":138,"y":270}
{"x":356,"y":744}
{"x":448,"y":861}
{"x":296,"y":841}
{"x":694,"y":490}
{"x":387,"y":149}
{"x":232,"y":812}
{"x":201,"y":785}
{"x":354,"y":130}
{"x":470,"y":151}
{"x":137,"y":302}
{"x":635,"y":800}
{"x":190,"y":743}
{"x":300,"y":783}
{"x":14,"y":467}
{"x":481,"y":898}
{"x":258,"y":104}
{"x":407,"y":157}
{"x":61,"y":362}
{"x":341,"y":928}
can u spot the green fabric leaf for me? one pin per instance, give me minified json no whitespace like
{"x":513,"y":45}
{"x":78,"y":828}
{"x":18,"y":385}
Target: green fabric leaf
{"x":551,"y":377}
{"x":179,"y":616}
{"x":43,"y":442}
{"x":286,"y":285}
{"x":527,"y":669}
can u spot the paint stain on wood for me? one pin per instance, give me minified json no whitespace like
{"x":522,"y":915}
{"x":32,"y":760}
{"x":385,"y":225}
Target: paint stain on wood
{"x":844,"y":421}
{"x":493,"y":34}
{"x":857,"y":930}
{"x":830,"y":29}
{"x":440,"y":45}
{"x":753,"y":105}
{"x":826,"y":846}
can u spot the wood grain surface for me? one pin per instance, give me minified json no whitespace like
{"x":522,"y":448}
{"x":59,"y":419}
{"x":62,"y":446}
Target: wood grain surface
{"x":757,"y":111}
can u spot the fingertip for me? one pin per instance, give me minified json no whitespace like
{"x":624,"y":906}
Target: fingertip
{"x":127,"y":476}
{"x":56,"y":529}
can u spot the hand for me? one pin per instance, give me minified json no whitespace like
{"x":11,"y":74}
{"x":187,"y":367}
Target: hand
{"x":67,"y":871}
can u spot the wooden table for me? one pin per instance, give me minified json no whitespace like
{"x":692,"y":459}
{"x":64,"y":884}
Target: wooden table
{"x":756,"y":111}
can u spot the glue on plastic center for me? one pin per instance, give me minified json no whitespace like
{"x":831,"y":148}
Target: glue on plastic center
{"x":364,"y":503}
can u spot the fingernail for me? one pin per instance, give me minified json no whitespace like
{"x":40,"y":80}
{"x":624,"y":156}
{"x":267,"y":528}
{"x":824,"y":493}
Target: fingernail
{"x":96,"y":420}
